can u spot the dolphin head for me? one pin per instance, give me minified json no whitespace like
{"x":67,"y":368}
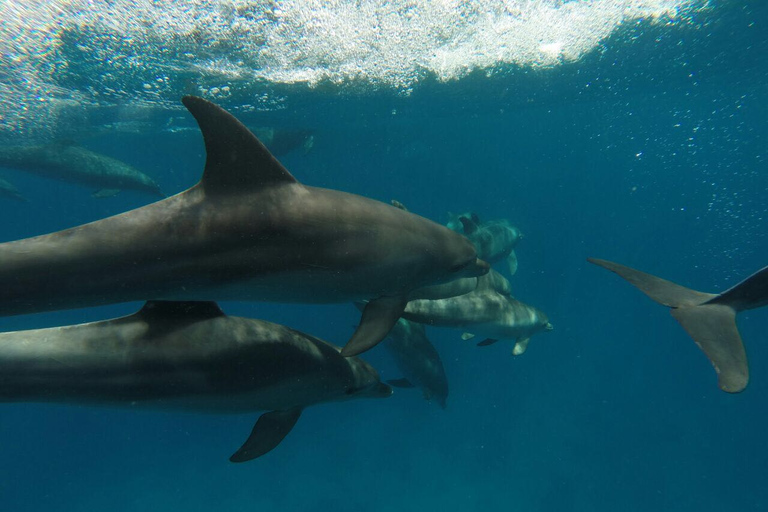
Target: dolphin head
{"x":366,"y":382}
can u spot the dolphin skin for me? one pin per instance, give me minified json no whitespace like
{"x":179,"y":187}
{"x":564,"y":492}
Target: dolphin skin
{"x":418,"y":361}
{"x":494,"y":240}
{"x":69,"y":162}
{"x":247,"y":231}
{"x":710,"y":319}
{"x":9,"y":190}
{"x":484,"y":311}
{"x":186,"y":356}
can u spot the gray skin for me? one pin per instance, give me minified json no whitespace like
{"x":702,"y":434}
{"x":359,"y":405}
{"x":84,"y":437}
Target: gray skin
{"x":189,"y":357}
{"x":709,"y":318}
{"x":483,"y":312}
{"x":418,"y":361}
{"x":494,"y":240}
{"x":247,"y":231}
{"x":68,"y":162}
{"x":9,"y":190}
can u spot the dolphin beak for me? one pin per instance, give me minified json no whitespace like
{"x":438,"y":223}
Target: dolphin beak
{"x":480,"y":268}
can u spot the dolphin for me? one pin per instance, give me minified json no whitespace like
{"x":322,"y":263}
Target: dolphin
{"x":484,"y":311}
{"x":455,"y":223}
{"x":247,"y":231}
{"x":494,"y":240}
{"x":283,"y":141}
{"x":710,"y":319}
{"x":418,"y":361}
{"x":69,"y":162}
{"x":9,"y":190}
{"x":185,"y":356}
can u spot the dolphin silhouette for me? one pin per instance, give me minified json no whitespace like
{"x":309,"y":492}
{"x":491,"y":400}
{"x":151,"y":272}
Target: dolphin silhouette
{"x":186,"y":356}
{"x":710,"y":319}
{"x":68,"y":162}
{"x":247,"y":231}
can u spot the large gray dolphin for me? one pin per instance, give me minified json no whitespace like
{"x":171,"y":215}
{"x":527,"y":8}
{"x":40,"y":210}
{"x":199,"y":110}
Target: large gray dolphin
{"x":418,"y":361}
{"x":189,"y":357}
{"x":710,"y":319}
{"x":485,"y":312}
{"x":8,"y":189}
{"x":247,"y":231}
{"x":69,"y":162}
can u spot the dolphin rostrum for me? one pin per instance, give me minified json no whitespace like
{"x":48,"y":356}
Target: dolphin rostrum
{"x":710,"y":319}
{"x":484,"y":311}
{"x":186,"y":356}
{"x":247,"y":231}
{"x":418,"y":361}
{"x":68,"y":162}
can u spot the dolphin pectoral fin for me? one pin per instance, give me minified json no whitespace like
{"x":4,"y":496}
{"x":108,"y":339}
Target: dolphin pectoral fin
{"x":270,"y":429}
{"x":105,"y":192}
{"x":713,"y":328}
{"x":487,"y":342}
{"x":512,"y":262}
{"x":400,"y":383}
{"x":520,"y":346}
{"x":467,"y":336}
{"x":236,"y":160}
{"x":379,"y":316}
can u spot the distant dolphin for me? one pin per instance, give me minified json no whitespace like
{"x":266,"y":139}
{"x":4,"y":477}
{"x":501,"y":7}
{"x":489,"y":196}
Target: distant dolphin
{"x":710,"y":319}
{"x":247,"y":231}
{"x":68,"y":162}
{"x":283,"y":141}
{"x":7,"y":189}
{"x":418,"y":361}
{"x":189,"y":357}
{"x":483,"y":312}
{"x":494,"y":240}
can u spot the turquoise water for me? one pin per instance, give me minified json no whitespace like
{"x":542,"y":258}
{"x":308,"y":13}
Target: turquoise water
{"x":635,"y":133}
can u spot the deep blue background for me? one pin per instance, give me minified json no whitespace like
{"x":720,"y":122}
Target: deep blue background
{"x":651,"y":152}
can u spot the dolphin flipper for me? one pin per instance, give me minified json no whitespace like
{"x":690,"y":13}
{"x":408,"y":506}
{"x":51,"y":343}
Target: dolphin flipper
{"x":713,"y":328}
{"x":512,"y":263}
{"x":708,"y":318}
{"x":379,"y":316}
{"x":270,"y":429}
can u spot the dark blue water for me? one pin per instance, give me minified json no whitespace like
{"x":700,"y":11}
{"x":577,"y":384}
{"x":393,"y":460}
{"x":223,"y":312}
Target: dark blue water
{"x":651,"y":152}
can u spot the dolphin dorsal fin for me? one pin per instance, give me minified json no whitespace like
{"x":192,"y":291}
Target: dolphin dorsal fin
{"x":190,"y":309}
{"x":469,"y":225}
{"x":236,"y":160}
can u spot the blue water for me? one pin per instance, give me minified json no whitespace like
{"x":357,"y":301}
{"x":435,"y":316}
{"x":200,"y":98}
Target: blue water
{"x":649,"y":150}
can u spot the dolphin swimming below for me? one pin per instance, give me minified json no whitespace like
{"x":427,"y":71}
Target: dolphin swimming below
{"x":185,"y":356}
{"x":484,"y":312}
{"x":9,"y":190}
{"x":69,"y":162}
{"x":418,"y":360}
{"x":710,"y":319}
{"x":495,"y":240}
{"x":247,"y":231}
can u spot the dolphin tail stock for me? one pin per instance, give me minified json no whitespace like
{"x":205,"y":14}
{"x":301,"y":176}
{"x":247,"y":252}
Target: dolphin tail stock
{"x":379,"y":316}
{"x":270,"y":429}
{"x":706,"y":317}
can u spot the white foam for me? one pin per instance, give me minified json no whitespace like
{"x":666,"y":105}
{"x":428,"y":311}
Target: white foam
{"x":153,"y":49}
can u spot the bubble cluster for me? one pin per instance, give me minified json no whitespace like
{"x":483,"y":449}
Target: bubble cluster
{"x":106,"y":51}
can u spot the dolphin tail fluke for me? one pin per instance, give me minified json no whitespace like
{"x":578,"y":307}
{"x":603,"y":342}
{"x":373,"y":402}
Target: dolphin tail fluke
{"x":379,"y":316}
{"x":270,"y":429}
{"x":711,"y":325}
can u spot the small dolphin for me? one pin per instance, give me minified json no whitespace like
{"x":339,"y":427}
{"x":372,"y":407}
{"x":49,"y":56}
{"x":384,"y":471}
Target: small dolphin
{"x":8,"y":189}
{"x":418,"y":361}
{"x":247,"y":231}
{"x":494,"y":240}
{"x":710,"y":319}
{"x":189,"y":357}
{"x":283,"y":141}
{"x":483,"y":311}
{"x":68,"y":162}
